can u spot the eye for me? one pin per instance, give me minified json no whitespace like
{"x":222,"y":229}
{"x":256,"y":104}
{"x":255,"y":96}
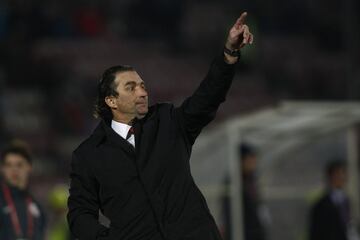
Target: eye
{"x":130,"y":88}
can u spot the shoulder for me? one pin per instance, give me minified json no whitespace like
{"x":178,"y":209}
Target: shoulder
{"x":323,"y":202}
{"x":161,"y":107}
{"x":86,"y":145}
{"x":84,"y":148}
{"x":162,"y":110}
{"x":89,"y":144}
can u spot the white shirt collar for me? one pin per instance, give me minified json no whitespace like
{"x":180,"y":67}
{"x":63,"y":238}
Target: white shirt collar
{"x":338,"y":196}
{"x":122,"y":129}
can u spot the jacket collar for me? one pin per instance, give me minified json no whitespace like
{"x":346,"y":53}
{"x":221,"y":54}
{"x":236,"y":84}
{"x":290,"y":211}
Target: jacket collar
{"x":104,"y":132}
{"x":14,"y":189}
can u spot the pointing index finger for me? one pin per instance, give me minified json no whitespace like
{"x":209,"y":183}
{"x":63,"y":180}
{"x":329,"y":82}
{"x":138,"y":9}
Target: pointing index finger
{"x":241,"y":19}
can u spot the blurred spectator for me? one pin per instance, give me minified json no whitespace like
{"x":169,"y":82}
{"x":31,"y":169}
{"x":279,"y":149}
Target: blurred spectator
{"x":89,"y":21}
{"x":58,"y":202}
{"x":254,"y":214}
{"x":330,"y":215}
{"x":21,"y":216}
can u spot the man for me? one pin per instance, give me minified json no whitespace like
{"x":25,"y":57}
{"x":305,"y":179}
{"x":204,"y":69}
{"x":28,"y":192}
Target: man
{"x":254,"y":214}
{"x":135,"y":166}
{"x":254,"y":211}
{"x":21,"y":216}
{"x":330,"y":216}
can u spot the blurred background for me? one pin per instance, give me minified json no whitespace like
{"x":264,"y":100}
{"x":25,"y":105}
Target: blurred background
{"x":52,"y":54}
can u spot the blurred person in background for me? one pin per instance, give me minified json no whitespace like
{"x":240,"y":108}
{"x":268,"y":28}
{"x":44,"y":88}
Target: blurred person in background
{"x":59,"y":229}
{"x":135,"y":166}
{"x":330,"y":217}
{"x":21,"y":216}
{"x":255,"y":214}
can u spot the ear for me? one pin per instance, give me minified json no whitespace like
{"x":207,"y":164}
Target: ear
{"x":110,"y":101}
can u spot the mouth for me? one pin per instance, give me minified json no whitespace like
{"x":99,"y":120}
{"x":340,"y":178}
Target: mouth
{"x":141,"y":103}
{"x":142,"y":107}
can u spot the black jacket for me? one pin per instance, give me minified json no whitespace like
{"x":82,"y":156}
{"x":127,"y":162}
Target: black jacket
{"x":19,"y":196}
{"x":326,"y":222}
{"x":147,"y":193}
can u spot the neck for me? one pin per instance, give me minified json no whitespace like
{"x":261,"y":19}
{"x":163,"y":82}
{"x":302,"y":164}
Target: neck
{"x":19,"y":185}
{"x":127,"y":119}
{"x":335,"y":187}
{"x":22,"y":186}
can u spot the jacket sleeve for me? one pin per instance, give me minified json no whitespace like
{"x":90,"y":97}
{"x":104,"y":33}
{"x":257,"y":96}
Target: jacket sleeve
{"x":83,"y":202}
{"x":200,"y":108}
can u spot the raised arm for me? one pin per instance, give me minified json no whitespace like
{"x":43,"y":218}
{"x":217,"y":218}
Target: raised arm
{"x":83,"y":202}
{"x":200,"y":108}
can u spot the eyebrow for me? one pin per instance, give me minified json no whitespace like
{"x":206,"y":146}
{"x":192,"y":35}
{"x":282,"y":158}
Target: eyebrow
{"x":133,"y":83}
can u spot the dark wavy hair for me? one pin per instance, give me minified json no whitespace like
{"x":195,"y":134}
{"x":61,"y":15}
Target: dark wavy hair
{"x":107,"y":87}
{"x":18,"y":148}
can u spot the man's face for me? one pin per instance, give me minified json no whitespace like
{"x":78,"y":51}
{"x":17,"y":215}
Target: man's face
{"x":132,"y":96}
{"x":249,"y":164}
{"x":16,"y":170}
{"x":338,"y":178}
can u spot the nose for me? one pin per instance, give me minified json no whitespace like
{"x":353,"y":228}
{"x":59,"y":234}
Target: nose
{"x":142,"y":92}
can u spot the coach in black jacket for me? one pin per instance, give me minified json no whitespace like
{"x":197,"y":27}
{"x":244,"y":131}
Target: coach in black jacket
{"x":145,"y":186}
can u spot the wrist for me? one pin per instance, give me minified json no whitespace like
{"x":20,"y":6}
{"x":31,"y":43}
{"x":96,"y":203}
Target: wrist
{"x":232,"y":52}
{"x":230,"y":59}
{"x":230,"y":46}
{"x":231,"y":56}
